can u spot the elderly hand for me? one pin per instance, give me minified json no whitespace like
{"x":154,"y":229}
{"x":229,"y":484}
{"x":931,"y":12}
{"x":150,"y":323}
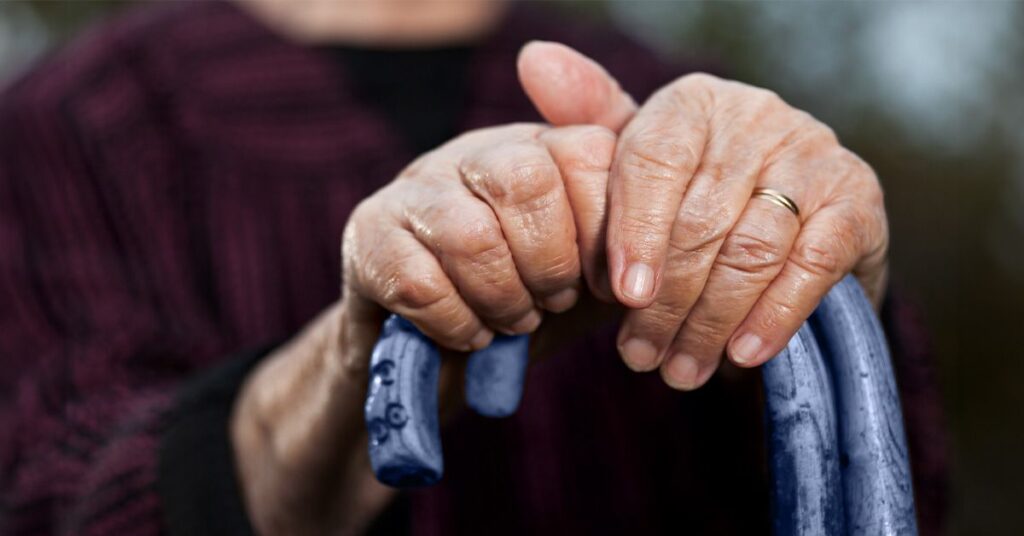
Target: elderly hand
{"x":484,"y":233}
{"x":491,"y":229}
{"x":477,"y":236}
{"x":703,"y":264}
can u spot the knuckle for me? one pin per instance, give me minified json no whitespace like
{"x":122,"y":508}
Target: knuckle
{"x":487,"y":253}
{"x":350,"y":236}
{"x":809,"y":134}
{"x":747,"y":100}
{"x":706,"y":331}
{"x":560,"y":270}
{"x":509,"y":308}
{"x":457,"y":331}
{"x":597,"y":146}
{"x":876,"y":231}
{"x":699,"y":89}
{"x":698,"y":80}
{"x":494,"y":273}
{"x":478,"y":239}
{"x":762,"y":108}
{"x":511,"y":181}
{"x":366,"y":215}
{"x":660,"y":320}
{"x":363,"y":209}
{"x":683,"y":262}
{"x":861,"y":188}
{"x":804,"y":138}
{"x":407,"y":287}
{"x":875,"y":195}
{"x":820,"y":130}
{"x":702,"y":225}
{"x":660,"y":156}
{"x":751,"y":254}
{"x":421,"y":164}
{"x":638,"y":222}
{"x":866,"y":178}
{"x":532,"y":185}
{"x":651,"y":165}
{"x":776,"y":314}
{"x":765,"y":97}
{"x":497,"y":294}
{"x":859,"y":227}
{"x":821,"y":258}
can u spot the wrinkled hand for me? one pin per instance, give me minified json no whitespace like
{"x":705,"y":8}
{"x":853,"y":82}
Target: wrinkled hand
{"x":703,"y":266}
{"x":483,"y":234}
{"x":494,"y":228}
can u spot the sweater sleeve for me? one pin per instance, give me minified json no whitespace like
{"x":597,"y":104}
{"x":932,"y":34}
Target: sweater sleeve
{"x":79,"y":419}
{"x":93,"y":360}
{"x":196,"y":480}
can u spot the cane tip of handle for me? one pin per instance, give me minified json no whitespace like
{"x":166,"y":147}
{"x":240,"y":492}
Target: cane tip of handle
{"x":495,"y":376}
{"x":410,"y":475}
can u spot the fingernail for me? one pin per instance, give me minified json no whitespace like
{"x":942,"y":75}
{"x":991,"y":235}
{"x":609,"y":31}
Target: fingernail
{"x":561,"y":301}
{"x":638,"y":281}
{"x":481,"y":340}
{"x":527,"y":323}
{"x":639,"y":355}
{"x":746,"y":348}
{"x":681,"y":372}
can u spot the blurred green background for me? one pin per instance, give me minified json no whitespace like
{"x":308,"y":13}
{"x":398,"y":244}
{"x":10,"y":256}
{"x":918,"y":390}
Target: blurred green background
{"x":932,"y":95}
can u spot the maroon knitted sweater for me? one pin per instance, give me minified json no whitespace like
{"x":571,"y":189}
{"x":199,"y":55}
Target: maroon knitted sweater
{"x":173,"y":187}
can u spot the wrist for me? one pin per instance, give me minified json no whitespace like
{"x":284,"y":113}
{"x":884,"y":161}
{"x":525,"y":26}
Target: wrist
{"x":298,"y":435}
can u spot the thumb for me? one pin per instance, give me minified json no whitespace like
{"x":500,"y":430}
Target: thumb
{"x":568,"y":88}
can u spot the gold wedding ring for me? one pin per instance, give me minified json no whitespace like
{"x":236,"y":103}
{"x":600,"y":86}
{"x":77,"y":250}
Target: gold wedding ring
{"x":778,"y":198}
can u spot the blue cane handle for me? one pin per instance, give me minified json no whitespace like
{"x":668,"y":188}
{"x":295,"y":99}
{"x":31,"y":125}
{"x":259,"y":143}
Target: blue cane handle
{"x":401,"y":407}
{"x":877,"y":493}
{"x":837,"y":448}
{"x":836,"y":441}
{"x":807,"y":496}
{"x":401,"y":403}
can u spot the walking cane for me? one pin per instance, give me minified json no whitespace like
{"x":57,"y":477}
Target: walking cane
{"x":836,"y":441}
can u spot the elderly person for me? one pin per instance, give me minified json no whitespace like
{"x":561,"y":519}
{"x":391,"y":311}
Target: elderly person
{"x":176,"y":186}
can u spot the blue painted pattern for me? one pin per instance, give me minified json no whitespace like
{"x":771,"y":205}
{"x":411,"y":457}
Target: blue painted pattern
{"x":401,"y":407}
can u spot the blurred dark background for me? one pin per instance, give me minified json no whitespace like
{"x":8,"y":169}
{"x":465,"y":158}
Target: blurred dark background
{"x":932,"y":95}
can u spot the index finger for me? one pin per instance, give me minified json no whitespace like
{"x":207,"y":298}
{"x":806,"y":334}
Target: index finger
{"x":658,"y":153}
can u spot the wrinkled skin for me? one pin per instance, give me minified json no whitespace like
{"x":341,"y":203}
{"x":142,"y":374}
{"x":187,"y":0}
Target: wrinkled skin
{"x":648,"y":208}
{"x":702,"y":265}
{"x":484,"y":233}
